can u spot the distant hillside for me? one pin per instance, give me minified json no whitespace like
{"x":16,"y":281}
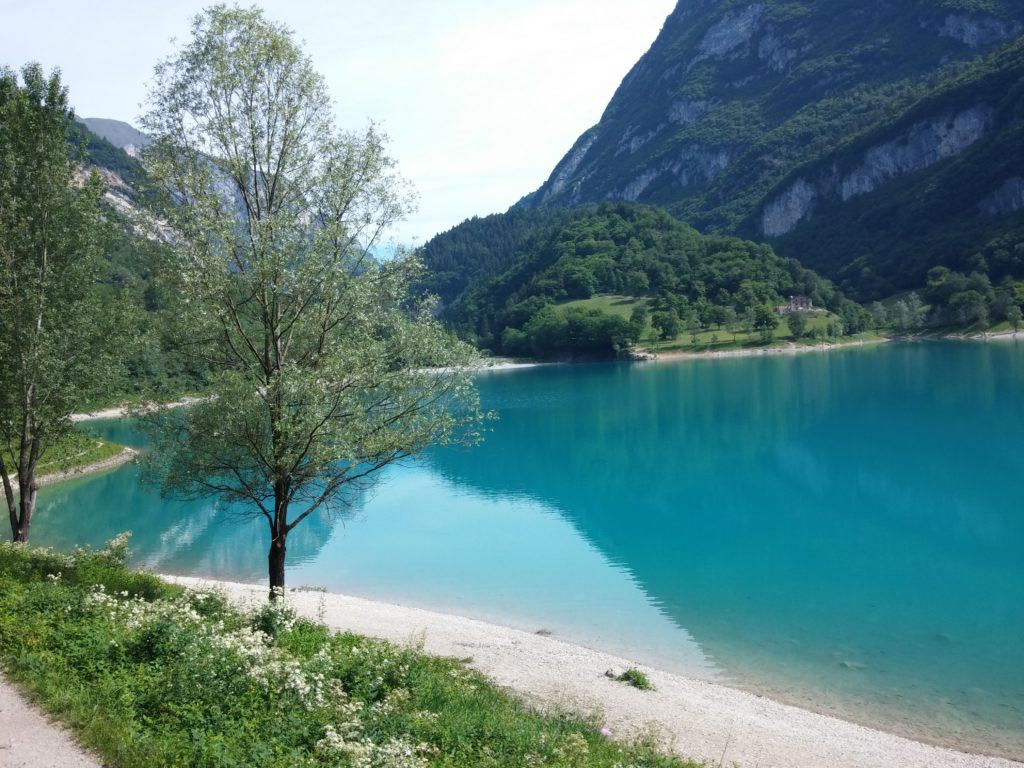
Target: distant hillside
{"x":118,"y":133}
{"x":870,"y":140}
{"x":482,"y":248}
{"x":529,"y":276}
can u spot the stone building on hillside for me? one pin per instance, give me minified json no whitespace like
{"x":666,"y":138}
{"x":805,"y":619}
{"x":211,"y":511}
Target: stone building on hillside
{"x":796,"y":304}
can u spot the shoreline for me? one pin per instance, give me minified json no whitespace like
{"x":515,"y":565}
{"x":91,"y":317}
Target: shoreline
{"x":126,"y":456}
{"x":697,"y":719}
{"x":121,"y":411}
{"x":1001,"y":336}
{"x":788,"y":349}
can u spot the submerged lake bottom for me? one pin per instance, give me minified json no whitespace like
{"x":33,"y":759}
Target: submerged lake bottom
{"x":841,"y":531}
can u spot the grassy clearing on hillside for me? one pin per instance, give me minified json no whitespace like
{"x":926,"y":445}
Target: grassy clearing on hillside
{"x":622,"y":306}
{"x":722,"y":340}
{"x":149,"y":674}
{"x":716,"y":339}
{"x":75,"y":450}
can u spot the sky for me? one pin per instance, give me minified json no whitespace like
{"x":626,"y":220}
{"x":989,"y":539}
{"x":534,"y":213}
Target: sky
{"x":481,"y":98}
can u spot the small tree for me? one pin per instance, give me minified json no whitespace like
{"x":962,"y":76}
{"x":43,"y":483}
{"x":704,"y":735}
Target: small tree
{"x":638,"y":321}
{"x":328,"y":371}
{"x":1014,"y":316}
{"x":916,"y":311}
{"x":56,"y":341}
{"x":718,"y":316}
{"x":748,"y":320}
{"x":969,"y":307}
{"x":900,"y":316}
{"x":667,"y":324}
{"x":880,"y":316}
{"x":797,"y":322}
{"x":730,"y":319}
{"x":765,"y":321}
{"x":637,"y":283}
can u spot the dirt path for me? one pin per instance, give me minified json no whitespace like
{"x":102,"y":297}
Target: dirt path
{"x":29,"y":739}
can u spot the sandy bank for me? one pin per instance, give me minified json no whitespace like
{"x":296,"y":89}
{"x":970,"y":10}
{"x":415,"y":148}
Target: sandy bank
{"x":511,"y":365}
{"x":700,"y":720}
{"x":125,"y":410}
{"x":1001,"y":336}
{"x":787,"y":349}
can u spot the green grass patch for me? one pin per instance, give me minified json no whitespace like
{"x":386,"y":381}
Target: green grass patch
{"x":149,"y":674}
{"x":611,"y":304}
{"x":74,"y":450}
{"x":636,"y":678}
{"x":736,"y":338}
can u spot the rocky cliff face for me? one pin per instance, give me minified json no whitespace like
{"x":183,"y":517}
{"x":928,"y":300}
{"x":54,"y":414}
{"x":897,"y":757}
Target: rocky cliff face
{"x":760,"y":118}
{"x":922,"y":146}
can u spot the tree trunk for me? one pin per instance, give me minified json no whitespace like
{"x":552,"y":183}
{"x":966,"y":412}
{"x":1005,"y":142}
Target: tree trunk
{"x":278,"y":551}
{"x":12,"y":509}
{"x":9,"y":497}
{"x":27,"y":502}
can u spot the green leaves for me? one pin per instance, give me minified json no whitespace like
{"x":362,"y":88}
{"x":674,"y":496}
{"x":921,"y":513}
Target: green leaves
{"x":328,"y":370}
{"x":59,"y":343}
{"x":614,"y":249}
{"x":149,"y":674}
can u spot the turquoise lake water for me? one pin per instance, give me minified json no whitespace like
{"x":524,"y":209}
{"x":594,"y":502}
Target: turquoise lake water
{"x":843,"y":531}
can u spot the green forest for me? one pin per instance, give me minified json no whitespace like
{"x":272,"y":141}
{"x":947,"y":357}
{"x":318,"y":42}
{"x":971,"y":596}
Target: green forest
{"x":518,"y":300}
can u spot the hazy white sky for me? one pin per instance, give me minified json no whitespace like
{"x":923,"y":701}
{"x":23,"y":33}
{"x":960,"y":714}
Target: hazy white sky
{"x":480,"y":97}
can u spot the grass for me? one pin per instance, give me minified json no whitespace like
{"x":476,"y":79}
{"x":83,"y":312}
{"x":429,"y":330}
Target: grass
{"x":636,"y":678}
{"x":622,"y":306}
{"x":148,"y":674}
{"x":717,"y":340}
{"x":723,"y":339}
{"x":74,"y":450}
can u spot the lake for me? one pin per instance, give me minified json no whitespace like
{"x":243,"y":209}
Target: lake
{"x":843,"y":531}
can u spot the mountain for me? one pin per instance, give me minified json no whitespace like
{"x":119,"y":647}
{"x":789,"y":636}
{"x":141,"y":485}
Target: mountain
{"x":870,"y":139}
{"x":120,"y":134}
{"x":136,"y":243}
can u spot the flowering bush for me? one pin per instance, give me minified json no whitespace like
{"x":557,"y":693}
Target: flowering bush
{"x":152,"y":674}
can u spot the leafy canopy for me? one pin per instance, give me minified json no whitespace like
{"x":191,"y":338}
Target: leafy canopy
{"x":328,"y":371}
{"x":58,"y":343}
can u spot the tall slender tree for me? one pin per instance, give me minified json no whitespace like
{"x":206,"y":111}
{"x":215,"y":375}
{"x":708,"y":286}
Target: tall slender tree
{"x":328,"y":371}
{"x":55,"y":341}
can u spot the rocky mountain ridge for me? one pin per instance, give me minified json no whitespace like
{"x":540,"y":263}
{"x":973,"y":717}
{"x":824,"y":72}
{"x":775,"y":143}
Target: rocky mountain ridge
{"x":121,"y":134}
{"x":771,"y":119}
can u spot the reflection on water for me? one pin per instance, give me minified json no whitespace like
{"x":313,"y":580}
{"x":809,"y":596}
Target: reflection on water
{"x":840,"y":530}
{"x":202,"y":537}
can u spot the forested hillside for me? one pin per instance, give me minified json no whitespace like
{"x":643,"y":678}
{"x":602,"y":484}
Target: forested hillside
{"x":135,"y":245}
{"x":524,"y":298}
{"x":870,"y":140}
{"x":482,"y":248}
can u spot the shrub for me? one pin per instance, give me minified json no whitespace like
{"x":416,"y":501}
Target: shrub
{"x":636,"y":678}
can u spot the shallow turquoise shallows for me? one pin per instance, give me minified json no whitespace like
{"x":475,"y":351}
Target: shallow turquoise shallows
{"x":843,"y":531}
